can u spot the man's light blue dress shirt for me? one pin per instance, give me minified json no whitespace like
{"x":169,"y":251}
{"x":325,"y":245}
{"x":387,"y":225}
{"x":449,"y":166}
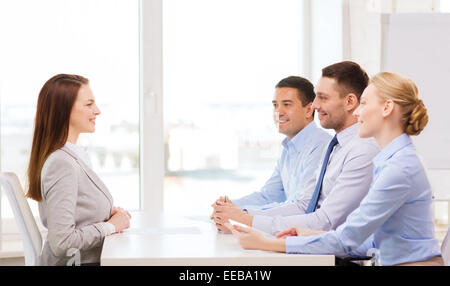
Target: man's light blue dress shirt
{"x":395,"y":217}
{"x":299,"y":160}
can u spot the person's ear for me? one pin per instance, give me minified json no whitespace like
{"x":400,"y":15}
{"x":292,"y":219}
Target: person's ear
{"x":310,"y":111}
{"x":352,"y":101}
{"x":388,"y":108}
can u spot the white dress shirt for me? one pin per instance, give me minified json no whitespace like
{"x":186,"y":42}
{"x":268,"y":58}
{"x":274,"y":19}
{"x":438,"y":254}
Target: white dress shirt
{"x":346,"y":182}
{"x":81,"y":152}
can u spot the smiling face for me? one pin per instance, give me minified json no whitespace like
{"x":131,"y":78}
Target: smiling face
{"x":84,"y":112}
{"x":370,"y":113}
{"x":330,"y":105}
{"x":293,"y":116}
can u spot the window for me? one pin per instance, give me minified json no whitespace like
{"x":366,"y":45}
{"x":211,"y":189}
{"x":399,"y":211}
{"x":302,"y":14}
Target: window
{"x":326,"y":29}
{"x":222,"y":60}
{"x":445,"y":6}
{"x":98,"y":39}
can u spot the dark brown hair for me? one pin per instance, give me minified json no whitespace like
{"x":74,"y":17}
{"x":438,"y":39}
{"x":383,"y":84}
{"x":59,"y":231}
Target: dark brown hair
{"x":350,"y":77}
{"x":51,"y":126}
{"x":304,"y":87}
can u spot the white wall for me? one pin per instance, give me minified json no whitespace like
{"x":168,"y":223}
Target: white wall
{"x":365,"y":26}
{"x":364,"y":29}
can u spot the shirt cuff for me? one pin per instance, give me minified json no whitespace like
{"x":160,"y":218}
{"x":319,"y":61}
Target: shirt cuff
{"x":263,"y":223}
{"x":109,"y":228}
{"x":254,"y":212}
{"x":294,"y":244}
{"x":238,"y":203}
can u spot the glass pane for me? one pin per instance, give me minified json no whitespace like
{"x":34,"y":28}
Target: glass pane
{"x":98,"y":39}
{"x":222,"y":60}
{"x":327,"y":35}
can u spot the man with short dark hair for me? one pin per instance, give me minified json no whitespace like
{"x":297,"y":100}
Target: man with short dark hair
{"x":303,"y":146}
{"x":345,"y":174}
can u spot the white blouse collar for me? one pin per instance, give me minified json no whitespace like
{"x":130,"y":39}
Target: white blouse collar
{"x":81,"y":152}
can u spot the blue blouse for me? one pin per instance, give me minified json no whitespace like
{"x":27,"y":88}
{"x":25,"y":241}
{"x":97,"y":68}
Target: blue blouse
{"x":395,"y":217}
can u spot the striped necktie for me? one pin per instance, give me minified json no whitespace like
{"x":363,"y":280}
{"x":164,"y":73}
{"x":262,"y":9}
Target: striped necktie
{"x":315,"y":198}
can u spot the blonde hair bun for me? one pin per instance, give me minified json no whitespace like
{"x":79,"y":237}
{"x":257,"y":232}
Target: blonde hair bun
{"x":403,"y":91}
{"x":417,"y":120}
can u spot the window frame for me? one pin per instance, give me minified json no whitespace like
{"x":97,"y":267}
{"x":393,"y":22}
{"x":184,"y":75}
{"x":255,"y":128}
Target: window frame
{"x":151,"y":107}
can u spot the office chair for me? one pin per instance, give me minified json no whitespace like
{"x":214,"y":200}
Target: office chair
{"x":29,"y":232}
{"x":445,"y":249}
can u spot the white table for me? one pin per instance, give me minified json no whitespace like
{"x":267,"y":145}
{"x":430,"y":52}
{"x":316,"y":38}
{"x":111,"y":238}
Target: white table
{"x":189,"y":241}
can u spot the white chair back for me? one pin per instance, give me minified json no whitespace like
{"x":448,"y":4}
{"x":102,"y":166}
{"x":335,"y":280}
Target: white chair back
{"x":445,"y":248}
{"x":29,"y":231}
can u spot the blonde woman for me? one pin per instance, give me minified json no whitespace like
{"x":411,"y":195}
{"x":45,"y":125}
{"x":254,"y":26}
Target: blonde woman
{"x":395,"y":218}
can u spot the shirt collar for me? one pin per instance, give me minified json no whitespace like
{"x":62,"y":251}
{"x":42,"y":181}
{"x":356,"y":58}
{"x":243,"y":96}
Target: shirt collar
{"x":347,"y":134}
{"x":300,"y":139}
{"x":393,"y":147}
{"x":80,"y":151}
{"x":74,"y":147}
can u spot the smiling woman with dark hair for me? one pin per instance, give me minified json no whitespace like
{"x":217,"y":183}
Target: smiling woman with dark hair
{"x":74,"y":204}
